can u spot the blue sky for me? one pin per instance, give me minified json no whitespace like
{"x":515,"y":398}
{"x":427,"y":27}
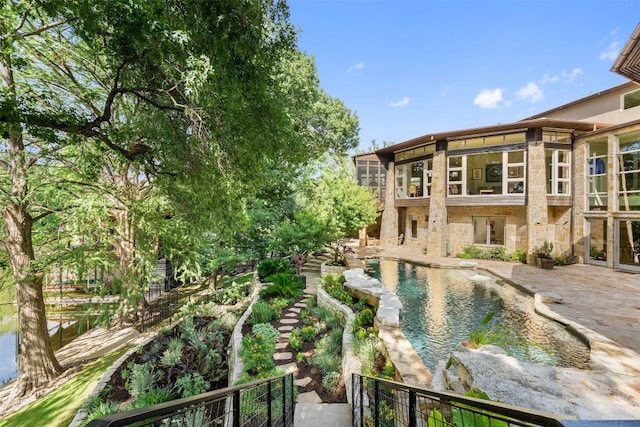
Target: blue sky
{"x":408,"y":68}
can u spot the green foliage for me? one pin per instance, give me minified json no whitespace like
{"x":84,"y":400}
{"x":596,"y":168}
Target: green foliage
{"x":470,"y":252}
{"x":191,"y":384}
{"x":271,"y":266}
{"x":436,"y":419}
{"x":363,"y":319}
{"x":257,"y":354}
{"x":497,"y":334}
{"x":330,"y":380}
{"x":300,"y":357}
{"x":140,"y":378}
{"x":278,"y":304}
{"x":467,"y":415}
{"x":335,"y":289}
{"x":284,"y":285}
{"x":295,"y":339}
{"x":152,"y":397}
{"x":495,"y":252}
{"x":173,"y":354}
{"x":230,"y":295}
{"x":267,"y":331}
{"x":519,"y":256}
{"x":261,"y":312}
{"x":308,"y":333}
{"x":543,"y":252}
{"x":325,"y":362}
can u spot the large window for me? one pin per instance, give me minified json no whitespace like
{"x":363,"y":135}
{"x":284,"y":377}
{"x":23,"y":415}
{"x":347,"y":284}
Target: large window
{"x":414,"y":179}
{"x":597,"y":183}
{"x":371,"y":173}
{"x":629,"y":172}
{"x":495,"y":173}
{"x":558,"y":167}
{"x":488,"y":230}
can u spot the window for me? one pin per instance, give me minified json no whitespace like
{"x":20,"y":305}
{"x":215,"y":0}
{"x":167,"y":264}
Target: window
{"x":486,"y":141}
{"x":371,"y":173}
{"x":414,"y":226}
{"x":556,"y":136}
{"x":414,"y":179}
{"x":488,"y":230}
{"x":495,"y":173}
{"x":558,"y":167}
{"x":629,"y":172}
{"x":597,"y":182}
{"x":415,"y":152}
{"x":631,"y":99}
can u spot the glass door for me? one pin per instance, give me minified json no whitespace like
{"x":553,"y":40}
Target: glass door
{"x":596,"y":242}
{"x":628,"y":244}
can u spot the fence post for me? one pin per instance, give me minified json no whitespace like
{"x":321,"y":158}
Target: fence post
{"x":412,"y":408}
{"x":376,"y":404}
{"x":361,"y":401}
{"x":284,"y":400}
{"x":269,"y":403}
{"x":236,"y":408}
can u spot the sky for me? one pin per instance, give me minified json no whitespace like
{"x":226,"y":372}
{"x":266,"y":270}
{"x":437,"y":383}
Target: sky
{"x":411,"y":68}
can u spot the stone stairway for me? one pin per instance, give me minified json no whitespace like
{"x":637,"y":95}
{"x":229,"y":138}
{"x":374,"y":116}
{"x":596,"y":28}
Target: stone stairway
{"x":309,"y":411}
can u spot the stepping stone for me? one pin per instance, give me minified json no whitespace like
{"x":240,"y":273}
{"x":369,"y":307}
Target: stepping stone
{"x":285,"y":355}
{"x":302,"y":382}
{"x":291,"y":315}
{"x":281,"y":345}
{"x":309,"y":397}
{"x":285,"y":328}
{"x":295,"y":309}
{"x":285,"y":336}
{"x":288,"y":368}
{"x":289,"y":321}
{"x":300,"y":304}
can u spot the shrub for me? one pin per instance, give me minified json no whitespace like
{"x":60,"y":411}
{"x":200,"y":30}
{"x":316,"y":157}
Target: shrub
{"x":191,"y":384}
{"x":140,"y":378}
{"x":267,"y":331}
{"x":363,"y":319}
{"x":173,"y":354}
{"x":261,"y":312}
{"x":308,"y":333}
{"x":257,"y":354}
{"x":295,"y":339}
{"x":283,"y":285}
{"x":299,"y":357}
{"x":278,"y":304}
{"x":337,"y":291}
{"x":519,"y":256}
{"x":325,"y":362}
{"x":272,"y":266}
{"x":230,"y":295}
{"x":331,"y":380}
{"x":470,"y":252}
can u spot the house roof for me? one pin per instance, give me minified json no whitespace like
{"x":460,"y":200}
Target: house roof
{"x":487,"y":130}
{"x":628,"y":62}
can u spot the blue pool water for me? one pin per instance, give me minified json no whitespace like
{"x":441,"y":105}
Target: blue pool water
{"x":442,"y":305}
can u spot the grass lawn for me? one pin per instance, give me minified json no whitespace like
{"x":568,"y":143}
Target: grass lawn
{"x":60,"y":406}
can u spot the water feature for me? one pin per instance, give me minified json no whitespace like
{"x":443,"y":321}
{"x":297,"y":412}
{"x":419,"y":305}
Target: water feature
{"x":8,"y":340}
{"x":442,"y":305}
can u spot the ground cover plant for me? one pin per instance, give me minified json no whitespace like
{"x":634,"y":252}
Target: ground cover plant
{"x":183,"y":361}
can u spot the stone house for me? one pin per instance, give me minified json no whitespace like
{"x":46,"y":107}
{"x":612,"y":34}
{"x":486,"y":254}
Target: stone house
{"x":569,"y":176}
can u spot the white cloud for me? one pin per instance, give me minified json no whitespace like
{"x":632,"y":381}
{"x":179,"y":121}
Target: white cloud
{"x":531,"y":92}
{"x":612,"y":50}
{"x":356,"y":67}
{"x":573,"y":74}
{"x":610,"y":53}
{"x":402,"y":103}
{"x":488,"y":98}
{"x":549,"y":79}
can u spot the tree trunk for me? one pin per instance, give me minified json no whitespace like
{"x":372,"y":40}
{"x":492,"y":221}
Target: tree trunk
{"x":36,"y":362}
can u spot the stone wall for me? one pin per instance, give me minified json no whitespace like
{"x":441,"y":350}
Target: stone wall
{"x":389,"y":222}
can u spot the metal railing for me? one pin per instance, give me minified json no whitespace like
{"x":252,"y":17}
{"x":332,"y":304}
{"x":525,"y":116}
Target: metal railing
{"x":382,"y":403}
{"x":267,"y":402}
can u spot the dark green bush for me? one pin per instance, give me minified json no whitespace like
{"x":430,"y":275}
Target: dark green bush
{"x":272,"y":266}
{"x":363,"y":319}
{"x":470,"y":252}
{"x":261,"y":312}
{"x":283,"y":285}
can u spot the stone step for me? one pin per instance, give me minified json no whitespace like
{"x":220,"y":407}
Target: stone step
{"x":322,"y":414}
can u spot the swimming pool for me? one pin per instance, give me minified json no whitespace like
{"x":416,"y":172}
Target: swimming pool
{"x":442,"y":305}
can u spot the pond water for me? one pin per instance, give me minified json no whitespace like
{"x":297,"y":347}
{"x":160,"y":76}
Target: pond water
{"x":8,"y":341}
{"x":442,"y":305}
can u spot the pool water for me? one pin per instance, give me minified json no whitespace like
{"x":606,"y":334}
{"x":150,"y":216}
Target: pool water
{"x":442,"y":305}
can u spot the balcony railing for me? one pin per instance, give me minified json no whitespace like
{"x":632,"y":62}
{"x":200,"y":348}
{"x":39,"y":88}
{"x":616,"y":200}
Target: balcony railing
{"x":268,"y":402}
{"x":381,"y":403}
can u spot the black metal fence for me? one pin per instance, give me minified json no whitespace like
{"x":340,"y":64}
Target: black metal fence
{"x":267,"y":402}
{"x":381,"y":403}
{"x":160,"y":309}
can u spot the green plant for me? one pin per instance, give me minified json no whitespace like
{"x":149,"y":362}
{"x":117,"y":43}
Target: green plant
{"x":363,"y":319}
{"x":295,"y":339}
{"x":140,"y":378}
{"x":284,"y":285}
{"x":470,"y":252}
{"x":319,"y":327}
{"x":543,"y":252}
{"x":278,"y":304}
{"x":497,"y":334}
{"x":267,"y":331}
{"x":300,"y":357}
{"x":272,"y":266}
{"x":335,"y":289}
{"x":326,"y":362}
{"x":256,"y":353}
{"x":308,"y":333}
{"x":231,"y":295}
{"x":173,"y":354}
{"x":360,"y":305}
{"x":473,"y":416}
{"x":261,"y":312}
{"x":191,"y":384}
{"x":152,"y":397}
{"x":330,"y":380}
{"x":519,"y":256}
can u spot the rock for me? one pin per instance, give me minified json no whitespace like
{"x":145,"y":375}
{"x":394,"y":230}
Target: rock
{"x":548,"y":298}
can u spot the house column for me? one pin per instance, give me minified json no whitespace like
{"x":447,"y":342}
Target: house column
{"x":389,"y":221}
{"x":438,"y":227}
{"x":538,"y":229}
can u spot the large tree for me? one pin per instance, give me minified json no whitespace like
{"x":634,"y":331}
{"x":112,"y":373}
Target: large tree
{"x":190,"y":96}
